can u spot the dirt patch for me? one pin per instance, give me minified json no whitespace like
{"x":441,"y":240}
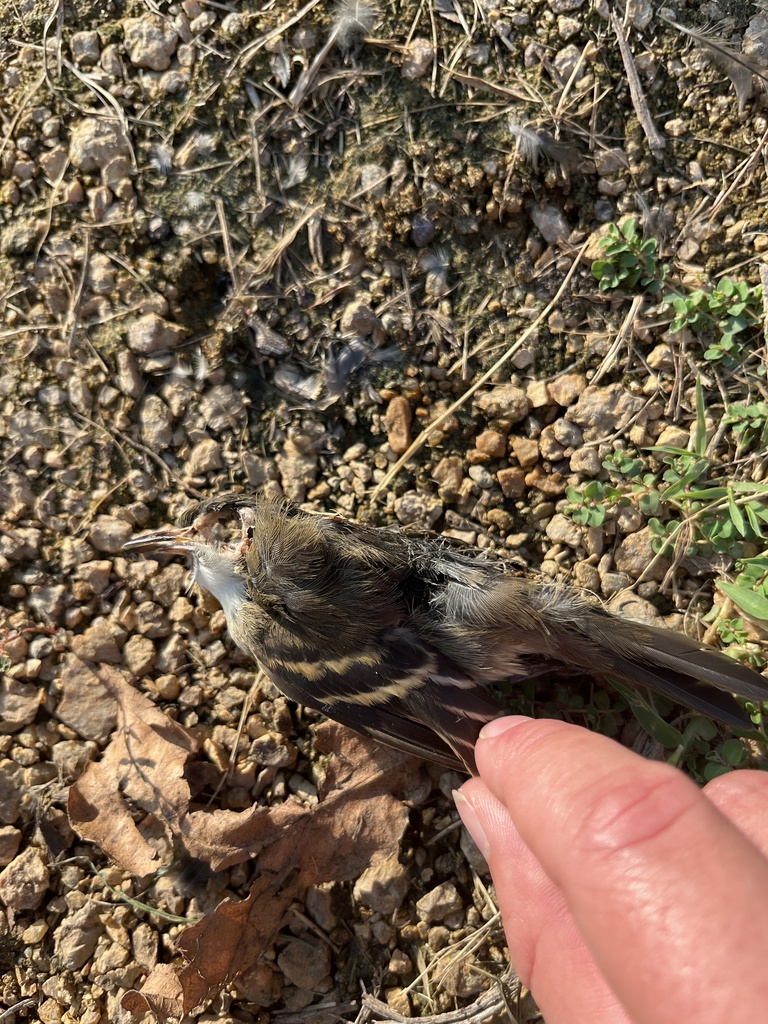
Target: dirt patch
{"x":226,"y":263}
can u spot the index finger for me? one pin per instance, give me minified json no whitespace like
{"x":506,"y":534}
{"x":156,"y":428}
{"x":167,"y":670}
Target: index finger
{"x":664,"y":889}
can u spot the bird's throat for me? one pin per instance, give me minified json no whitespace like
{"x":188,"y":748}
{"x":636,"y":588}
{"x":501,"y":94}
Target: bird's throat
{"x":217,"y":572}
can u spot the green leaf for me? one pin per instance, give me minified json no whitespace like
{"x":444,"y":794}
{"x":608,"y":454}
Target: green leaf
{"x":735,"y":512}
{"x":702,"y":727}
{"x":594,"y":490}
{"x":752,"y":604}
{"x":712,"y":770}
{"x":749,"y":487}
{"x":668,"y":449}
{"x":733,"y":752}
{"x":607,"y":726}
{"x":708,"y":494}
{"x":656,"y":727}
{"x":601,"y":700}
{"x":679,"y":486}
{"x":754,"y":522}
{"x":650,"y":503}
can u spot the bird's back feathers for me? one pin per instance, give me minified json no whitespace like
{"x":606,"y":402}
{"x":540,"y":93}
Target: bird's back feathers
{"x":400,"y":638}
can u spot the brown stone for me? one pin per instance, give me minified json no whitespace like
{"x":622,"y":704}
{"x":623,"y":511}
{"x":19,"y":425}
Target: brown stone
{"x":511,"y":482}
{"x":526,"y":451}
{"x":397,"y":420}
{"x":492,"y":443}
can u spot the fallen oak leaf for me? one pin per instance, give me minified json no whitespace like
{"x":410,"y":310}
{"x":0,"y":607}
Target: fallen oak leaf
{"x":221,"y":947}
{"x":161,"y":994}
{"x":228,"y":943}
{"x":356,"y":822}
{"x":361,"y":771}
{"x":142,"y":767}
{"x":225,"y":838}
{"x":101,"y":817}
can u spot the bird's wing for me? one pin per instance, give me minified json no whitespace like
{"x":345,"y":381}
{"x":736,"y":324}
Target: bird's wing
{"x":400,"y":690}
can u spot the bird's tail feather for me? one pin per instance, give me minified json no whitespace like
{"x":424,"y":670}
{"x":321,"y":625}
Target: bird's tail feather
{"x":680,"y":668}
{"x":713,"y":703}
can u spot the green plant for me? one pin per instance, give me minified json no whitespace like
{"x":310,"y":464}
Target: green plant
{"x":629,"y":261}
{"x":590,"y":506}
{"x":749,"y":423}
{"x":750,"y":590}
{"x":703,"y":758}
{"x":621,"y":463}
{"x":718,"y":316}
{"x":689,"y":501}
{"x":711,"y":514}
{"x":703,"y":510}
{"x":749,"y":594}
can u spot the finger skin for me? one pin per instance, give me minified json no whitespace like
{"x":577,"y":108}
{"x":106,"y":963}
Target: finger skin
{"x":545,"y":946}
{"x":742,"y":796}
{"x":664,"y":889}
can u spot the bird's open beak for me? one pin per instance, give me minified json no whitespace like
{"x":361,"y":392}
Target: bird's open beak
{"x":175,"y":540}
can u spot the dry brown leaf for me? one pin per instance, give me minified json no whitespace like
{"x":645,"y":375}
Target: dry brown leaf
{"x":229,"y":942}
{"x":143,"y":767}
{"x":225,"y":838}
{"x":356,"y":822}
{"x":161,"y":994}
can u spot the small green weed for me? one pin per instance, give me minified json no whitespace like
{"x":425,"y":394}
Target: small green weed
{"x":591,"y":506}
{"x":749,"y":594}
{"x":692,"y":746}
{"x":750,"y":591}
{"x":718,"y":516}
{"x":690,"y":500}
{"x":704,"y":760}
{"x":723,"y":318}
{"x":720,"y":318}
{"x":749,"y":423}
{"x":629,"y":261}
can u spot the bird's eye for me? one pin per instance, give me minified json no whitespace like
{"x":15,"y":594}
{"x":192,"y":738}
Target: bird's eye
{"x":249,"y":533}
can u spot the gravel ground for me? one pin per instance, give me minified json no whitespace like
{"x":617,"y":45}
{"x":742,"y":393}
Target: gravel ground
{"x":362,"y":282}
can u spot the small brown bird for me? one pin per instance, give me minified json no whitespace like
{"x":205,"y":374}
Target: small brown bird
{"x":402,"y":638}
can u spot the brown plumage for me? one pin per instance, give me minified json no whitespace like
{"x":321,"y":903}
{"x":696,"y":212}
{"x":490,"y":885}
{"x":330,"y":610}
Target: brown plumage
{"x":401,"y":638}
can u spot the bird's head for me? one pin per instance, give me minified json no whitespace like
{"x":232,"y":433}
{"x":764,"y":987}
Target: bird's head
{"x":215,"y":537}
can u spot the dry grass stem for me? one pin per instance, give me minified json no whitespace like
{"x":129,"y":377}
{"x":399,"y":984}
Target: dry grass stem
{"x":655,"y":139}
{"x":492,"y":1006}
{"x":421,"y":440}
{"x":623,"y":335}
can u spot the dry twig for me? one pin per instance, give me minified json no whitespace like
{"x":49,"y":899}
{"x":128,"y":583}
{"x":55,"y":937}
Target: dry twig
{"x":493,"y":1005}
{"x":655,"y":139}
{"x":421,"y":440}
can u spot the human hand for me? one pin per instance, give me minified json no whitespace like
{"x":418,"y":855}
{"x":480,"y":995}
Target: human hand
{"x":627,"y":893}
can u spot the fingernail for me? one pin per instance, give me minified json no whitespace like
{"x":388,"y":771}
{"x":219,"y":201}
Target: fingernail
{"x":502,"y":725}
{"x":472,"y":822}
